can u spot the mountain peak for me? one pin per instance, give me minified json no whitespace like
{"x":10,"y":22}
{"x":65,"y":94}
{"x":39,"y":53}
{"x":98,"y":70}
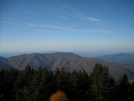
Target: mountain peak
{"x":34,"y":54}
{"x":63,"y":54}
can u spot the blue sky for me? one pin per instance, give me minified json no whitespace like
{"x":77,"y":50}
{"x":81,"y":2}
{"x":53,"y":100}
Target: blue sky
{"x":66,"y":25}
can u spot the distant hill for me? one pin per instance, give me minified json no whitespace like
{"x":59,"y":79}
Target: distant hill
{"x":3,"y":61}
{"x":122,"y":58}
{"x":69,"y":61}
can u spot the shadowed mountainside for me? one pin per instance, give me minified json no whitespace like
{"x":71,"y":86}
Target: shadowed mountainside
{"x":3,"y":61}
{"x":69,"y":61}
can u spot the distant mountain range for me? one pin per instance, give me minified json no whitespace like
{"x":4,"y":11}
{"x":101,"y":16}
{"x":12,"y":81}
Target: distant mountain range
{"x":69,"y":61}
{"x":122,"y":58}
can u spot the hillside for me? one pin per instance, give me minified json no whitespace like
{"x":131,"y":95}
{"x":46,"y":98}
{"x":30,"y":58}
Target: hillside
{"x":122,"y":58}
{"x":69,"y":61}
{"x":3,"y":61}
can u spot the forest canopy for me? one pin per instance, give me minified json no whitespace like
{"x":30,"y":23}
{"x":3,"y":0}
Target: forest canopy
{"x":45,"y":85}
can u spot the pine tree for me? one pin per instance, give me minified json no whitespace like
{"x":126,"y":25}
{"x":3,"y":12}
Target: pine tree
{"x":46,"y":85}
{"x":61,"y":79}
{"x":123,"y":89}
{"x":102,"y":84}
{"x":7,"y":79}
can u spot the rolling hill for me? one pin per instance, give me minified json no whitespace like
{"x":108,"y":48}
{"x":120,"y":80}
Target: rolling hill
{"x":69,"y":61}
{"x":122,"y":58}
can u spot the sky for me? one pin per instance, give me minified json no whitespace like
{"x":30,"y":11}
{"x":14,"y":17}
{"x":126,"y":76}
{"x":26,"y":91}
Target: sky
{"x":66,"y":25}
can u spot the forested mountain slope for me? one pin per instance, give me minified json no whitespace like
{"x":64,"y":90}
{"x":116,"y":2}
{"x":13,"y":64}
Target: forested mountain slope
{"x":69,"y":61}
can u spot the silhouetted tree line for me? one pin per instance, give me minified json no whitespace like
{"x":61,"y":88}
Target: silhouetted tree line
{"x":39,"y":85}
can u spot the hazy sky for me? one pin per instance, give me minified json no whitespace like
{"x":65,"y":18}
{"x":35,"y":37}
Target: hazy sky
{"x":66,"y":25}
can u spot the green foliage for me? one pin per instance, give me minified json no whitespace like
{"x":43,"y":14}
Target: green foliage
{"x":124,"y":89}
{"x":39,"y":85}
{"x":102,"y":88}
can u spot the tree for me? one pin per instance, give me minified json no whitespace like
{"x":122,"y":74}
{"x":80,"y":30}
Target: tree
{"x":102,"y":84}
{"x":61,"y":79}
{"x":7,"y":79}
{"x":38,"y":85}
{"x":59,"y":96}
{"x":46,"y":85}
{"x":123,"y":89}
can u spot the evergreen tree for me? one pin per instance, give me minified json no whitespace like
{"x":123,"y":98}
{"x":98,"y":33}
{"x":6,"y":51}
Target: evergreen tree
{"x":38,"y":85}
{"x":131,"y":94}
{"x":7,"y":79}
{"x":123,"y":89}
{"x":61,"y":78}
{"x":21,"y":84}
{"x":46,"y":85}
{"x":102,"y":84}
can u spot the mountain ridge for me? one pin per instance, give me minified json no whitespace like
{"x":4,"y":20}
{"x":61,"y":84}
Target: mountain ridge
{"x":69,"y":61}
{"x":121,"y":58}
